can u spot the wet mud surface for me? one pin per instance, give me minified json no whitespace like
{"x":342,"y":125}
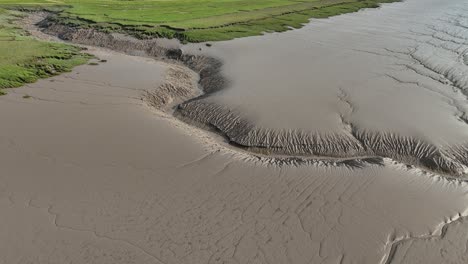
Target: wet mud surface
{"x":345,"y":87}
{"x":326,"y":169}
{"x":389,"y":82}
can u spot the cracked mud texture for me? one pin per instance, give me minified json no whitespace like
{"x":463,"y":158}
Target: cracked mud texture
{"x":449,"y":247}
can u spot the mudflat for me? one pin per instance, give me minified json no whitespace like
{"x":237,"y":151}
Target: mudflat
{"x":110,"y":179}
{"x":330,"y":89}
{"x":117,"y":162}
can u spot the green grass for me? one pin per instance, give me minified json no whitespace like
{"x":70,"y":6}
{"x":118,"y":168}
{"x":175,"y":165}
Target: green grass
{"x":24,"y":59}
{"x":193,"y":20}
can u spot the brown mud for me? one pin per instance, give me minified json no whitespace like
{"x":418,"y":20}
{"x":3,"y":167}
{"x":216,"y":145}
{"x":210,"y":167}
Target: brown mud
{"x":239,"y":130}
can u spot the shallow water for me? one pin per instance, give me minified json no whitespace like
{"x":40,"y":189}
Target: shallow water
{"x":380,"y":74}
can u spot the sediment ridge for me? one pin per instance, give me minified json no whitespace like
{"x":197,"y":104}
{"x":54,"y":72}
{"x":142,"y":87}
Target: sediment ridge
{"x":180,"y":95}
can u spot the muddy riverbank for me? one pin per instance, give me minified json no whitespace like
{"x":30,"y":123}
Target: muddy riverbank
{"x":95,"y":168}
{"x":333,"y":135}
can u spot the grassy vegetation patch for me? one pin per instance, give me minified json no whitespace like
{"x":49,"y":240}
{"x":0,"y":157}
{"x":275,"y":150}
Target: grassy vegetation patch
{"x":193,"y":20}
{"x":24,"y":59}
